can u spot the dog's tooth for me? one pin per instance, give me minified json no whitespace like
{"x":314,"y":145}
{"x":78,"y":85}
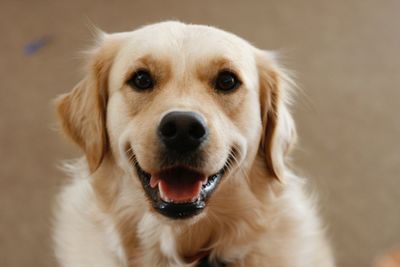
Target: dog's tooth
{"x":162,"y":195}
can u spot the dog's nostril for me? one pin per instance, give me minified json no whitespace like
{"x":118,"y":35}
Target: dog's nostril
{"x":182,"y":131}
{"x":169,"y":130}
{"x":197,"y":131}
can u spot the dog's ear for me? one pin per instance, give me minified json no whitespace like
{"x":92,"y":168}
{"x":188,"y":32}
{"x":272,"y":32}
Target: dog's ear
{"x":279,"y":132}
{"x":82,"y":111}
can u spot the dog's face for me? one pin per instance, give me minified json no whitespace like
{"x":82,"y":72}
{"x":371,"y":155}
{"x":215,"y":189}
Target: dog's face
{"x":179,"y":108}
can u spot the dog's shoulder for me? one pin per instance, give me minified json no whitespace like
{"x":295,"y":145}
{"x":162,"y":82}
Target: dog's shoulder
{"x":83,"y":234}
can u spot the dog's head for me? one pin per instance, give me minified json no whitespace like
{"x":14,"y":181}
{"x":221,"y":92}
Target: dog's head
{"x":179,"y":108}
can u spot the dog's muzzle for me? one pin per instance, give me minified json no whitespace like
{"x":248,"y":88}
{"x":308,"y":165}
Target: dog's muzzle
{"x":180,"y":189}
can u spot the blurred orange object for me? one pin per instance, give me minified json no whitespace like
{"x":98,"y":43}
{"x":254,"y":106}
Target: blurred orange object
{"x":391,"y":259}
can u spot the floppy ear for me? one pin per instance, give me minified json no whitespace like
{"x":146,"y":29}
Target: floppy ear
{"x":82,"y":112}
{"x":279,"y":132}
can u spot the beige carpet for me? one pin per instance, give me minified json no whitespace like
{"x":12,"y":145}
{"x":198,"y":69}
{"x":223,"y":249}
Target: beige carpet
{"x":346,"y":55}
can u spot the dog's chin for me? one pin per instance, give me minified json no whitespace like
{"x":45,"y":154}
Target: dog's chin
{"x":179,"y":192}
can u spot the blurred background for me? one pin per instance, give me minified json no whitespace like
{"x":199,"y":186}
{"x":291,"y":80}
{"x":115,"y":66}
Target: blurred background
{"x":346,"y":56}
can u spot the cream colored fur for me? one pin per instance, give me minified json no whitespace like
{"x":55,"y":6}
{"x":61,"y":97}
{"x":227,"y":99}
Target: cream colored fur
{"x":260,"y":215}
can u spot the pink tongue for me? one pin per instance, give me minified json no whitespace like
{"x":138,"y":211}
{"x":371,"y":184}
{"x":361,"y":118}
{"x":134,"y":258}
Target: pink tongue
{"x":179,"y":184}
{"x":181,"y":193}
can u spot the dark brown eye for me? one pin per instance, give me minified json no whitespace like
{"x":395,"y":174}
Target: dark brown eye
{"x":141,"y":80}
{"x":226,"y":81}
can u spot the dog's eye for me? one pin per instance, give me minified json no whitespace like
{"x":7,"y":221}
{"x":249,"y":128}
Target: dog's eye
{"x":226,"y":81}
{"x":141,"y":80}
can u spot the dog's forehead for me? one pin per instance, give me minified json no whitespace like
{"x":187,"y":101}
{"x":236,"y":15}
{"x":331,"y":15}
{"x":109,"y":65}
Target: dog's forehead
{"x":192,"y":43}
{"x":183,"y":50}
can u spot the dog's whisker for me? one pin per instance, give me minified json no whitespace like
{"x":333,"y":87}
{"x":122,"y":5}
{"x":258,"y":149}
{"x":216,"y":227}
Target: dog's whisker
{"x":229,"y":163}
{"x":131,"y":155}
{"x":232,"y":159}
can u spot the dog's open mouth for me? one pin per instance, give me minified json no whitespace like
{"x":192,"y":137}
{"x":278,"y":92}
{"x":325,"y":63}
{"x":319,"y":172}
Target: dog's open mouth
{"x":179,"y":192}
{"x":178,"y":184}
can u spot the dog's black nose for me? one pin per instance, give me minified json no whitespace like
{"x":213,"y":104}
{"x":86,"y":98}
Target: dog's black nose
{"x":182,"y":131}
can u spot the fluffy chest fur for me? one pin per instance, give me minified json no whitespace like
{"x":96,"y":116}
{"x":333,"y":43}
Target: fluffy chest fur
{"x":257,"y":232}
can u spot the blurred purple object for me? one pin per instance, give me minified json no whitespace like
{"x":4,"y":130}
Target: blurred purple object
{"x":34,"y":46}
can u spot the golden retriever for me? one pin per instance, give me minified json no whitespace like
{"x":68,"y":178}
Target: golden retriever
{"x":185,"y":130}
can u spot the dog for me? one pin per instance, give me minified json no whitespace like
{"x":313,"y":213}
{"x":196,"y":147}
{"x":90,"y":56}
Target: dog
{"x":186,"y":132}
